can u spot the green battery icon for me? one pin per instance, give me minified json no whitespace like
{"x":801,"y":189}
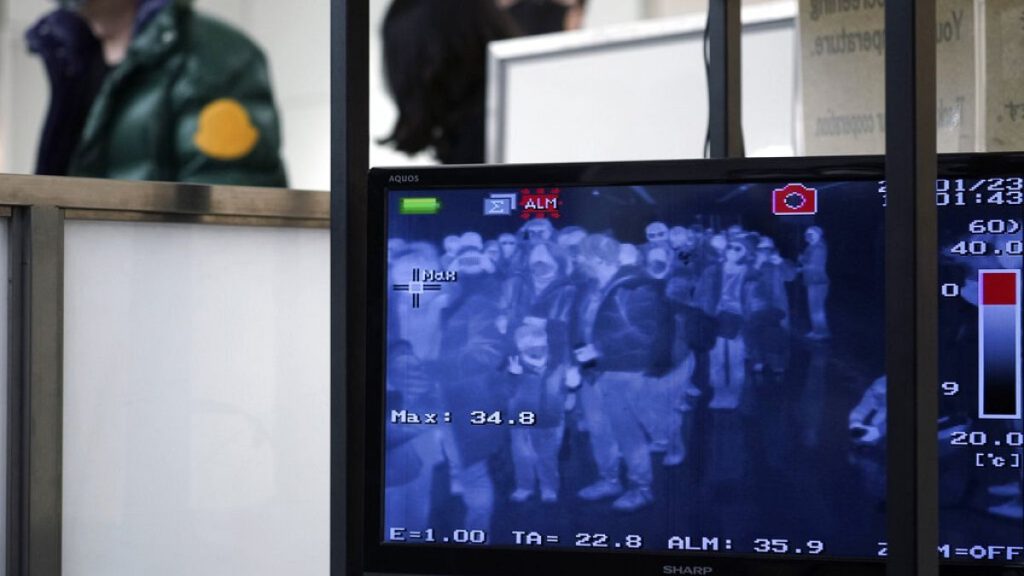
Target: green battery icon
{"x":419,"y":206}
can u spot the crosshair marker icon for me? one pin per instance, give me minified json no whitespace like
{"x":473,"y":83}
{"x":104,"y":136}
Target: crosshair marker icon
{"x":417,"y":287}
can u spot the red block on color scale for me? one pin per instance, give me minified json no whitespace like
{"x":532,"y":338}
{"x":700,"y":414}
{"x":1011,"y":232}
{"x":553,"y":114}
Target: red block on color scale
{"x":999,"y":288}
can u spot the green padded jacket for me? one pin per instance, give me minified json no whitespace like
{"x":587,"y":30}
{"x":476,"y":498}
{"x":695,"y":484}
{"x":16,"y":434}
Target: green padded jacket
{"x":191,"y":102}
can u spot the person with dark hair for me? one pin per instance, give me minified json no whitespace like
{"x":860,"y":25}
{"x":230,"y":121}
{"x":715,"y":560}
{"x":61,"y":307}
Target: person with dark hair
{"x":153,"y":90}
{"x":435,"y":62}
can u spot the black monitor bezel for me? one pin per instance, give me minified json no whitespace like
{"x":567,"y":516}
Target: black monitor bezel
{"x":379,"y":558}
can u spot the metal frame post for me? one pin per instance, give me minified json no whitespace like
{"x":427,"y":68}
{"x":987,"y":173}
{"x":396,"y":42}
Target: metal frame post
{"x":36,"y":392}
{"x":725,"y":115}
{"x":350,"y":144}
{"x":911,"y":289}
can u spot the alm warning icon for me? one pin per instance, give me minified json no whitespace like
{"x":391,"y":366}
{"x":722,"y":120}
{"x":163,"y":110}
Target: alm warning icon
{"x":540,"y":203}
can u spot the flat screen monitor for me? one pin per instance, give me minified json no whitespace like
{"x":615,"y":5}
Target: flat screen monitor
{"x":677,"y":368}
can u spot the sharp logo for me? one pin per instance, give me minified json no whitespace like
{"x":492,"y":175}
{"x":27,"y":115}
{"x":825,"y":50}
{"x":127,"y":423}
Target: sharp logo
{"x":687,"y":570}
{"x":404,"y":179}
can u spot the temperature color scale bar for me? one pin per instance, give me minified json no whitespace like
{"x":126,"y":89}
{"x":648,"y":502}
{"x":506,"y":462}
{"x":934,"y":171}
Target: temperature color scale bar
{"x":999,"y":370}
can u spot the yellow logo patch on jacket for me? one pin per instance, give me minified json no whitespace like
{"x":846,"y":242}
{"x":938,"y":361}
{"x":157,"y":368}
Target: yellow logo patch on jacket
{"x":225,"y":131}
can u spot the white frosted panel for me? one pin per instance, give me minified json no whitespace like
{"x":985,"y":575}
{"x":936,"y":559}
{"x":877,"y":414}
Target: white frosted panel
{"x":196,"y":400}
{"x":636,"y":92}
{"x":616,"y":103}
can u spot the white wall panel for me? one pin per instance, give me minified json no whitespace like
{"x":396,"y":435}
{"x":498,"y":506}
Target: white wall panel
{"x":617,"y":103}
{"x":24,"y":96}
{"x":196,"y":400}
{"x":296,"y":35}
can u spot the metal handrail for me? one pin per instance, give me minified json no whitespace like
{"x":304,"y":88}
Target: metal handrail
{"x":95,"y":199}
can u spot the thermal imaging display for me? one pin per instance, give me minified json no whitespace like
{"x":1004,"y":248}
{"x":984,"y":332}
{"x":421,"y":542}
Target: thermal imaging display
{"x":691,"y":368}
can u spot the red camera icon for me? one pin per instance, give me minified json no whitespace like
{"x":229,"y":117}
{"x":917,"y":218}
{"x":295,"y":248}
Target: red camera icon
{"x":795,"y":199}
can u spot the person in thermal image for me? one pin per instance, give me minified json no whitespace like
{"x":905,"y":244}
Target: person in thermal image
{"x":471,"y":240}
{"x":678,"y":237}
{"x":413,"y":452}
{"x":493,"y":251}
{"x":536,"y":377}
{"x":396,"y":246}
{"x":725,"y":292}
{"x":420,"y":328}
{"x":813,"y":267}
{"x":717,"y":244}
{"x":657,"y":235}
{"x":538,"y":230}
{"x":543,"y":289}
{"x":629,"y":255}
{"x":509,"y":246}
{"x":768,"y":336}
{"x":570,"y":239}
{"x":622,"y":319}
{"x":664,"y":405}
{"x":451,"y":245}
{"x":472,"y":352}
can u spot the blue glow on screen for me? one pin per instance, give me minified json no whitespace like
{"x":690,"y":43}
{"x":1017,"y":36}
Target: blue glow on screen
{"x":695,"y":368}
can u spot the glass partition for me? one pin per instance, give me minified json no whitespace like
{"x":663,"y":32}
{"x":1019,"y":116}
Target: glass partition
{"x":979,"y":48}
{"x":196,"y":399}
{"x":1004,"y":49}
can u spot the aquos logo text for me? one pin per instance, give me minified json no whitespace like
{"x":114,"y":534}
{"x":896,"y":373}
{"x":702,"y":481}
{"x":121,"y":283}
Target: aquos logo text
{"x":687,"y":570}
{"x":404,"y":179}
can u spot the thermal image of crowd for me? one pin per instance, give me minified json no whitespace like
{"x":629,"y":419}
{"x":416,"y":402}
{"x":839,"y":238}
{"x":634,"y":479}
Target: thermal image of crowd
{"x":547,"y":322}
{"x":585,"y":381}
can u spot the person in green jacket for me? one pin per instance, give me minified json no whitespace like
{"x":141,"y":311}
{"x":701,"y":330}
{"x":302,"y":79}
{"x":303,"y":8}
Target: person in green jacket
{"x":153,"y":90}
